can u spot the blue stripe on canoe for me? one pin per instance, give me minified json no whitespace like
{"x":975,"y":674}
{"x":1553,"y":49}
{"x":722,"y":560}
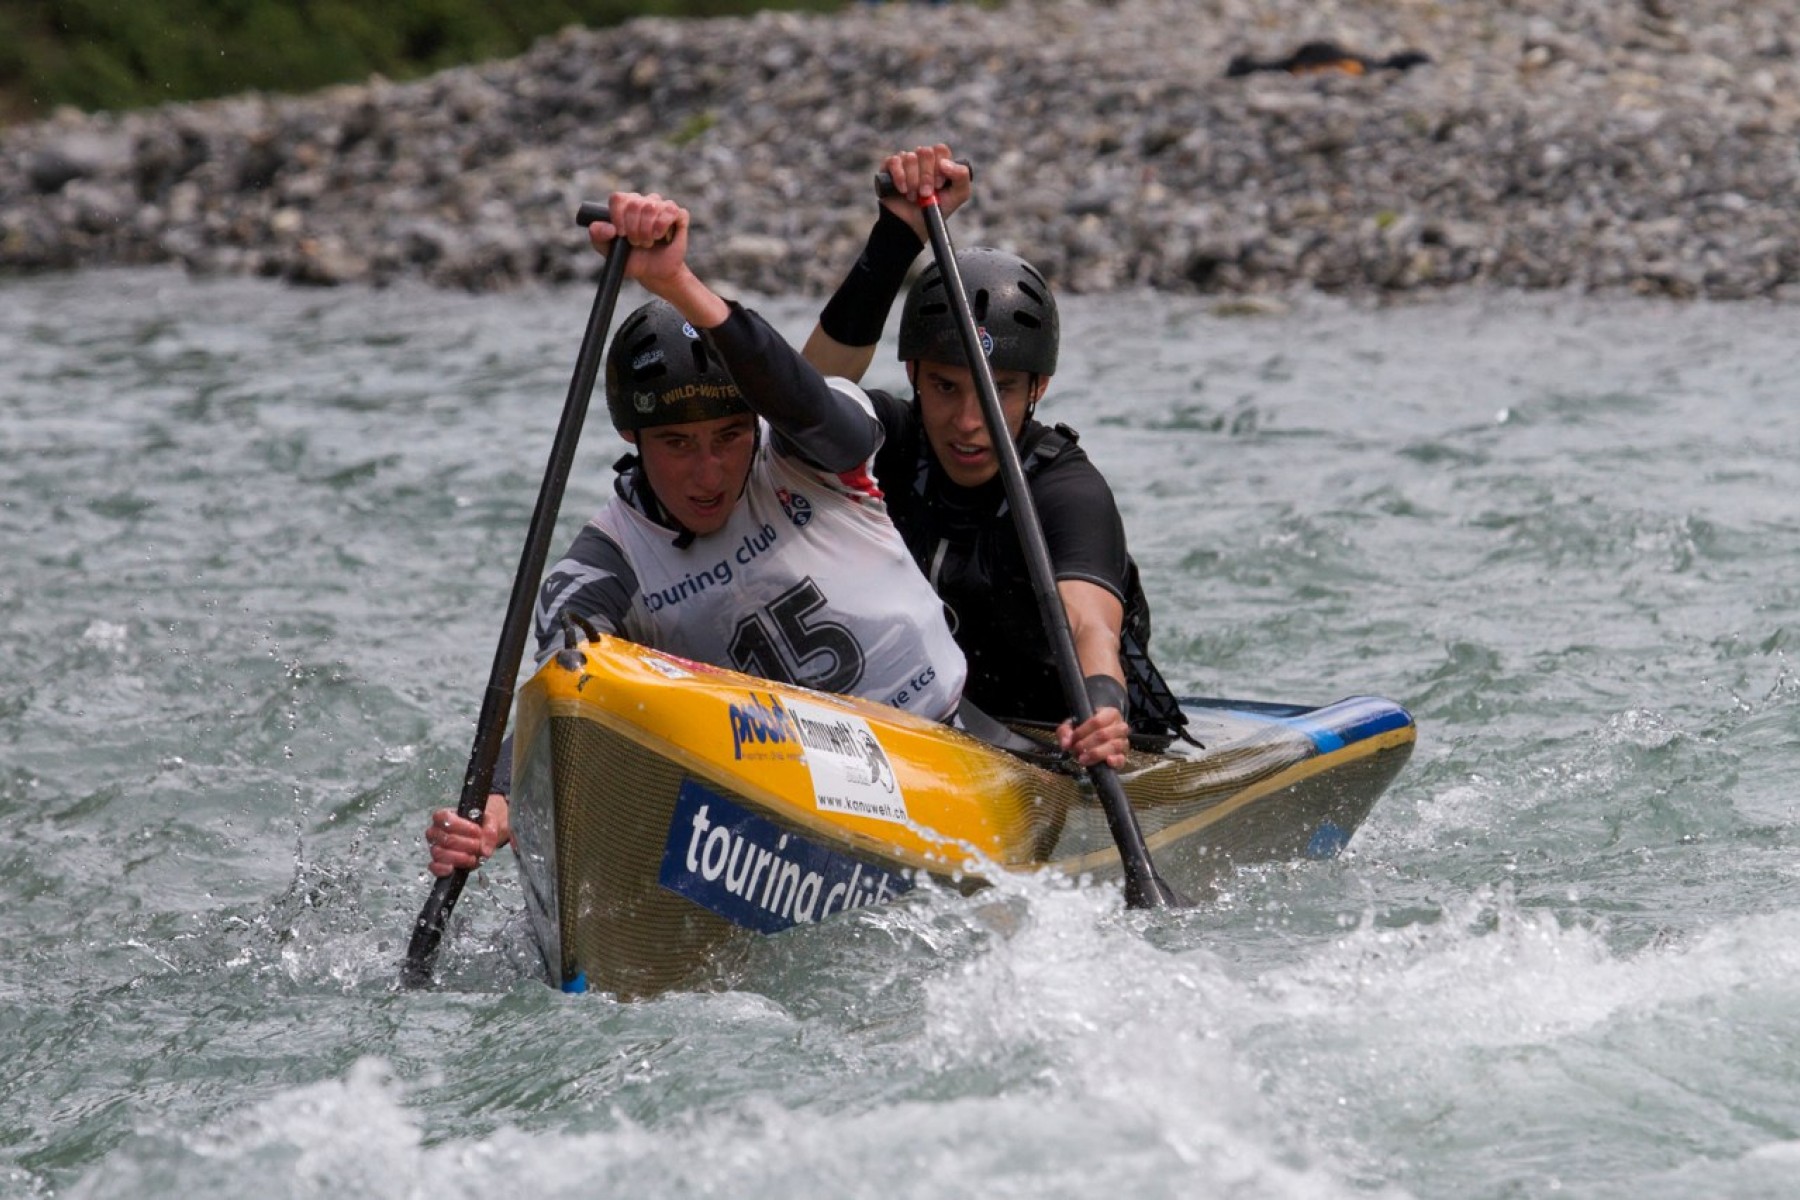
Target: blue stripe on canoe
{"x":1338,"y":725}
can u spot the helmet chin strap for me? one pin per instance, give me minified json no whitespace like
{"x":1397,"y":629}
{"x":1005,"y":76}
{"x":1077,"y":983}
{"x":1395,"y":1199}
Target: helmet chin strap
{"x":1035,"y":386}
{"x":633,"y":485}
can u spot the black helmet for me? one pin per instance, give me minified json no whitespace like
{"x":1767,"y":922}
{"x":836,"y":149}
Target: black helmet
{"x":1013,"y":309}
{"x":659,"y":371}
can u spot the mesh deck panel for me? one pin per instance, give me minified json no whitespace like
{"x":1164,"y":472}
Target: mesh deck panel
{"x":613,"y":803}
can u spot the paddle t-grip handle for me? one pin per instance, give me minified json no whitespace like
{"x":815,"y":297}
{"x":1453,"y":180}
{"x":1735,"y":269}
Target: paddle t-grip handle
{"x":884,"y":183}
{"x":592,"y":210}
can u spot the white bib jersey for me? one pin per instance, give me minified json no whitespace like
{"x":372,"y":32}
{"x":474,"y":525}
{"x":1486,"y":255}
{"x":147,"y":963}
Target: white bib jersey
{"x":808,"y":582}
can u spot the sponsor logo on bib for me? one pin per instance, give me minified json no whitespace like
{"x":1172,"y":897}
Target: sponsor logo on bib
{"x":797,"y":507}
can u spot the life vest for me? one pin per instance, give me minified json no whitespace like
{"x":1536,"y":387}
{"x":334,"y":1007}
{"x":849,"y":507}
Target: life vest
{"x":965,"y":542}
{"x":1155,"y":710}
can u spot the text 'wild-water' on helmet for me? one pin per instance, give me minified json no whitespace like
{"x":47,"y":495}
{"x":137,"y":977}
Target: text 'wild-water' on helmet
{"x":660,"y":371}
{"x":1014,"y":312}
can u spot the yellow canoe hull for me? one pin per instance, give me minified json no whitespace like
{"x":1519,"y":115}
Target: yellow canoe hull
{"x":665,"y":812}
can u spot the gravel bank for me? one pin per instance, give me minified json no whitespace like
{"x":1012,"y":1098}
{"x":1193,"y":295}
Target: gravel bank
{"x":1645,"y":146}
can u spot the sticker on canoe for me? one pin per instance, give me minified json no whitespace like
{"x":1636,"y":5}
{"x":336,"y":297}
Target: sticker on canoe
{"x":664,"y":667}
{"x":851,"y":773}
{"x":756,"y":874}
{"x":762,"y":729}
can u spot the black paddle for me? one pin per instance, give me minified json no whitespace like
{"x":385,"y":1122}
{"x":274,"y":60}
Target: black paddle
{"x":1144,"y":888}
{"x":490,"y":728}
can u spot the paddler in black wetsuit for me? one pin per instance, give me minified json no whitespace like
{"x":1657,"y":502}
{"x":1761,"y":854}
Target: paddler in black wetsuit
{"x":939,"y":474}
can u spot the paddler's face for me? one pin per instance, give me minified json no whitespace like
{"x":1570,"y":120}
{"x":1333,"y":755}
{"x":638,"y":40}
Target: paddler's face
{"x":950,"y":411}
{"x":698,"y":469}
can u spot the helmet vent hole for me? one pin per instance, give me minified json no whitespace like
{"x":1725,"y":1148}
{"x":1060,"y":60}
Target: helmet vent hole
{"x":981,"y":305}
{"x":1027,"y":320}
{"x":699,"y":357}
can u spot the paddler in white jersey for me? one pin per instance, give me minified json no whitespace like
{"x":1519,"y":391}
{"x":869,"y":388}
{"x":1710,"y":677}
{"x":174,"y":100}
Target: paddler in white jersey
{"x":746,"y":531}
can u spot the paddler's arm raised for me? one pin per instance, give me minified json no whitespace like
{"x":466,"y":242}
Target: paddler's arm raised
{"x":820,"y":424}
{"x":658,"y":232}
{"x":843,"y":343}
{"x":828,"y":425}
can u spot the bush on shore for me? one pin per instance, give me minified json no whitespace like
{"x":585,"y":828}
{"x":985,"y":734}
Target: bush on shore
{"x":114,"y":54}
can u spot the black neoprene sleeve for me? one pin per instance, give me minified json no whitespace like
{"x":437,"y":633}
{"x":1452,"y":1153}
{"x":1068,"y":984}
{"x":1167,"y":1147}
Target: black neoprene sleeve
{"x":824,"y":427}
{"x":857,"y":312}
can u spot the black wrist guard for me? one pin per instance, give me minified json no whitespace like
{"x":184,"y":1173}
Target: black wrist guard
{"x":1105,"y":692}
{"x":857,"y":311}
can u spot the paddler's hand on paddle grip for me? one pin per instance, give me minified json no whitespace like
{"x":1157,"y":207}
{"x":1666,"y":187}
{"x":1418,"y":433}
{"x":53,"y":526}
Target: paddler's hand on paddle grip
{"x":656,"y":229}
{"x":1103,"y":737}
{"x":459,"y":844}
{"x":910,"y":177}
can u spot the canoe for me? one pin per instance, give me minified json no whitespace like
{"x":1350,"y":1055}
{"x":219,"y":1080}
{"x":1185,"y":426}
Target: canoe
{"x":666,"y":812}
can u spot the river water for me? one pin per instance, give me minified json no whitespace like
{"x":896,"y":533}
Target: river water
{"x":257,"y":542}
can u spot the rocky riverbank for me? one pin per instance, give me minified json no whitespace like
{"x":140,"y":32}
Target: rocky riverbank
{"x":1646,"y":146}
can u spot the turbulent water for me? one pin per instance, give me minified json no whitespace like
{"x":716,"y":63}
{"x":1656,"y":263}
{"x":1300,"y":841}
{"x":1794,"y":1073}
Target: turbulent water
{"x":257,"y":542}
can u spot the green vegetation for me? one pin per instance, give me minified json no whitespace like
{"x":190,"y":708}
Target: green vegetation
{"x":106,"y":54}
{"x":696,"y":125}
